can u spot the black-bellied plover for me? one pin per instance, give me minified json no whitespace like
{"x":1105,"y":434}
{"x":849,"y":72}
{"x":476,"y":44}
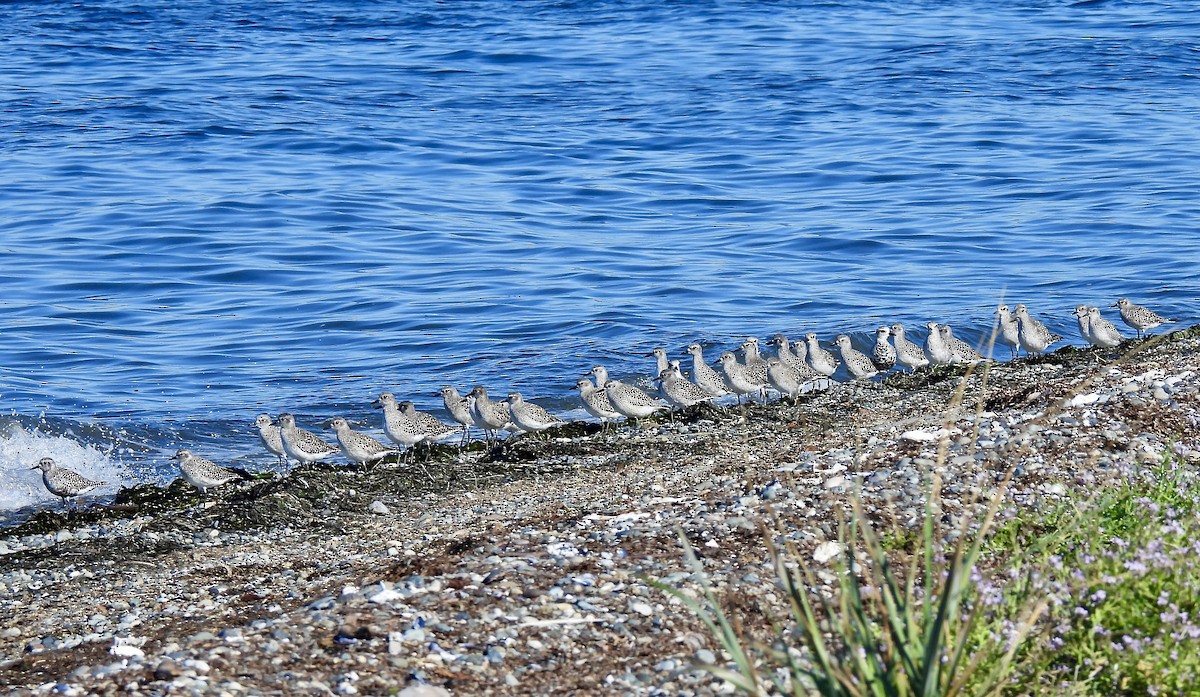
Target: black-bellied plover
{"x":202,"y":473}
{"x":530,"y":417}
{"x":752,"y":353}
{"x":679,"y":391}
{"x":1085,"y":330}
{"x":492,"y":417}
{"x":783,"y":351}
{"x":822,"y":361}
{"x":703,"y":375}
{"x":399,"y":429}
{"x":631,"y":402}
{"x":359,"y":448}
{"x":908,"y":354}
{"x":460,"y":410}
{"x":268,"y":433}
{"x":1034,"y":336}
{"x":660,"y":364}
{"x":1103,"y":333}
{"x":300,"y":445}
{"x":433,"y":427}
{"x":1008,"y":330}
{"x":884,"y":355}
{"x":62,"y":482}
{"x":740,"y":379}
{"x":793,"y":379}
{"x":858,"y":364}
{"x":960,"y":351}
{"x":755,"y":364}
{"x":595,"y":402}
{"x":1140,"y":318}
{"x":935,"y":346}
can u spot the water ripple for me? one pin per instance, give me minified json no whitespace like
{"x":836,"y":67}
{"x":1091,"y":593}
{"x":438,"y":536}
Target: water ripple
{"x":216,"y":210}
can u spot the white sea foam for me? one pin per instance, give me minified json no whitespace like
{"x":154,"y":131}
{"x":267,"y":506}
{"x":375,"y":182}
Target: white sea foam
{"x":21,"y":448}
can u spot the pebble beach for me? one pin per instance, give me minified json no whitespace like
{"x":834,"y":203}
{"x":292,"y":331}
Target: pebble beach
{"x":524,"y":570}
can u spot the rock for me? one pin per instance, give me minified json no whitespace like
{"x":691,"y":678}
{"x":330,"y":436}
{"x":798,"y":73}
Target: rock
{"x":379,"y":508}
{"x":826,"y":551}
{"x":419,"y":690}
{"x":167,"y":670}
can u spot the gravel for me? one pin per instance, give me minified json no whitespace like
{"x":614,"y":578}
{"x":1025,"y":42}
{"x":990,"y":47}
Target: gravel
{"x":528,"y":571}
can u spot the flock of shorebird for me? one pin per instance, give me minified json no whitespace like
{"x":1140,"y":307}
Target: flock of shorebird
{"x":796,"y":368}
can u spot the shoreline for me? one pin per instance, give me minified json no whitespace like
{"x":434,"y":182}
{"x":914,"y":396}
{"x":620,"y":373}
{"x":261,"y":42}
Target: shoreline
{"x":496,"y":576}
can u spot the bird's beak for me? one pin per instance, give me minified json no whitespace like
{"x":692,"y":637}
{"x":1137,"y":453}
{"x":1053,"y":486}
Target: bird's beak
{"x":36,"y":467}
{"x":1115,"y":305}
{"x":377,"y":404}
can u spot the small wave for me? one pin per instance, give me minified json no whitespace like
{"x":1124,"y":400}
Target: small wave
{"x":20,"y":449}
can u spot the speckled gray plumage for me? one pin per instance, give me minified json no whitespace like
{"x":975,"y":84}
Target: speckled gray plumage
{"x":302,"y":445}
{"x":629,"y":401}
{"x":1034,"y":336}
{"x":704,"y":376}
{"x":63,"y":482}
{"x":858,"y":364}
{"x":1138,"y":317}
{"x":908,"y":354}
{"x":595,"y":400}
{"x":884,"y":354}
{"x":1104,"y":333}
{"x":359,"y":448}
{"x":202,"y":473}
{"x":960,"y":351}
{"x":530,"y":417}
{"x":822,"y":361}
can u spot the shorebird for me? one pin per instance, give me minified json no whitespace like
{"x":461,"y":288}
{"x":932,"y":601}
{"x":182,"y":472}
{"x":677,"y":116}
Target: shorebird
{"x":660,"y":364}
{"x":792,"y":379}
{"x":63,"y":482}
{"x":884,"y":355}
{"x":821,"y":360}
{"x":1085,"y":329}
{"x":1008,"y":329}
{"x":201,"y":473}
{"x":960,"y":351}
{"x":935,"y":347}
{"x":679,"y":391}
{"x":427,"y":423}
{"x":755,"y":364}
{"x":858,"y":364}
{"x":908,"y":354}
{"x":359,"y":448}
{"x":703,"y":375}
{"x":1103,"y":332}
{"x":595,"y":401}
{"x":530,"y":417}
{"x":268,"y":433}
{"x":740,"y":379}
{"x":300,"y":445}
{"x":1140,"y":318}
{"x":1034,"y":336}
{"x":460,"y":410}
{"x":399,"y":429}
{"x":750,"y":349}
{"x":491,"y":416}
{"x":630,"y":402}
{"x":783,"y":351}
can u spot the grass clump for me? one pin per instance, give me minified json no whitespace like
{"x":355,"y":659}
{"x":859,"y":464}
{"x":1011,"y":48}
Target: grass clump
{"x":1099,"y":596}
{"x":1126,"y":590}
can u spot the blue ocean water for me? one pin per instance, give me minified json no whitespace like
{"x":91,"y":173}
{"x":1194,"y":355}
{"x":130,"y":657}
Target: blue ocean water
{"x":210,"y":210}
